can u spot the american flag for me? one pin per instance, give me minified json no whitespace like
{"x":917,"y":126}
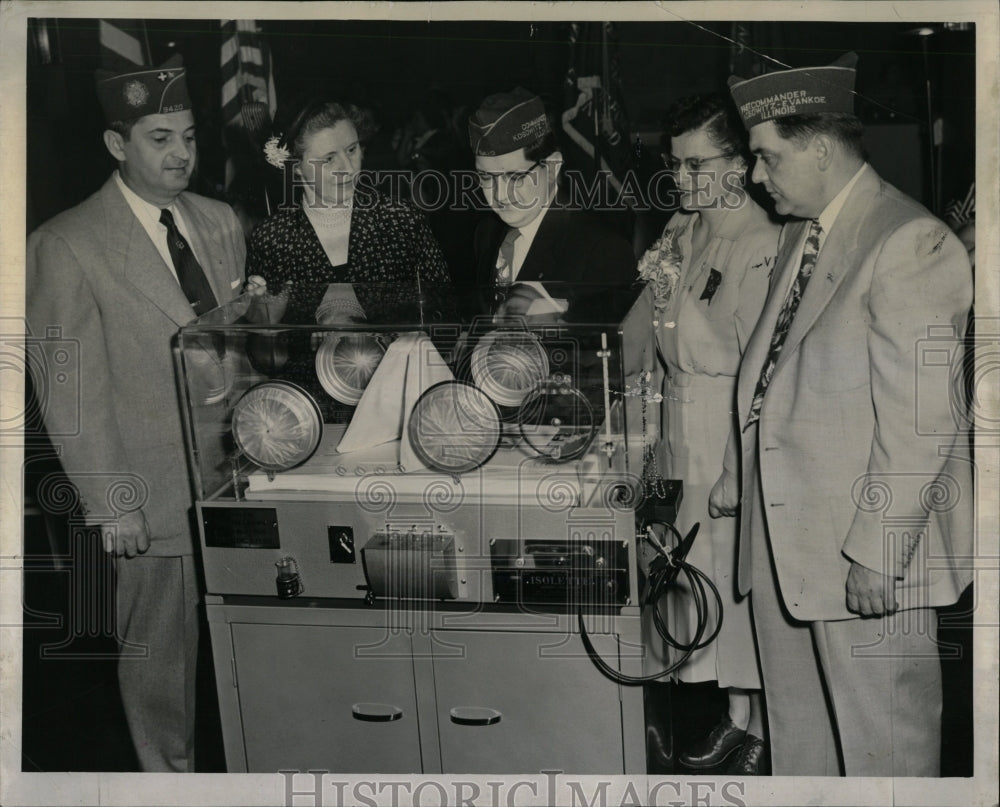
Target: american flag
{"x":123,"y":40}
{"x":247,"y":74}
{"x":958,"y":212}
{"x":593,"y":115}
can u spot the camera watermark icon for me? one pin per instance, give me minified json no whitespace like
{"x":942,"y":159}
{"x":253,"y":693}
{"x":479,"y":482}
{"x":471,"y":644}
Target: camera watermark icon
{"x":916,"y":513}
{"x":48,"y":366}
{"x":963,"y":371}
{"x":92,"y":603}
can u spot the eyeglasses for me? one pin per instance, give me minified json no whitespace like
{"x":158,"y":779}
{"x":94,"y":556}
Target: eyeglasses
{"x":515,"y":179}
{"x":693,"y":164}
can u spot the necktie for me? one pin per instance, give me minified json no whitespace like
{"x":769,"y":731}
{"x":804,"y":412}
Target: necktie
{"x":189,"y":272}
{"x":784,"y":321}
{"x":505,"y":259}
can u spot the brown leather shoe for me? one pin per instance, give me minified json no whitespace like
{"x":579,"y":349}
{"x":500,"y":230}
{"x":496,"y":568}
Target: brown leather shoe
{"x":721,"y":743}
{"x":752,"y":760}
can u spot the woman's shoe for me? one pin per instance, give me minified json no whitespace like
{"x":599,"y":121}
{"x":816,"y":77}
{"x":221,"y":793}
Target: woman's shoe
{"x":659,"y":750}
{"x":752,"y":760}
{"x":721,"y":743}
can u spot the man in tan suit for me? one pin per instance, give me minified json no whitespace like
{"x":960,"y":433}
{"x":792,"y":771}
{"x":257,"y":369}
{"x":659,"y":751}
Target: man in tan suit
{"x":856,"y":489}
{"x":119,"y":274}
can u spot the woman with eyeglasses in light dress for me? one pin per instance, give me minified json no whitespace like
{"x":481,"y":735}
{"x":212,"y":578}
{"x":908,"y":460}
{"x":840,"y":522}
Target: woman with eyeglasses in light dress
{"x":710,"y":273}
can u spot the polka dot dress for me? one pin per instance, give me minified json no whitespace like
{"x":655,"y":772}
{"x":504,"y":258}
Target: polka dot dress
{"x":390,"y":243}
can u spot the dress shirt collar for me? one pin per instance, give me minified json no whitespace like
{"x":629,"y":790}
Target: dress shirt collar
{"x":149,"y":217}
{"x":832,"y":211}
{"x":148,"y":214}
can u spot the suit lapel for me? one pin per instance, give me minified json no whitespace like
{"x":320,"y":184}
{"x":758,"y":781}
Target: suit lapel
{"x":206,"y":240}
{"x":836,"y":258}
{"x":138,"y":261}
{"x":542,"y":257}
{"x":488,"y":242}
{"x":786,"y":265}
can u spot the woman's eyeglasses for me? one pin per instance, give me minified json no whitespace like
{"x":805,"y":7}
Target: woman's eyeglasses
{"x":692,"y":164}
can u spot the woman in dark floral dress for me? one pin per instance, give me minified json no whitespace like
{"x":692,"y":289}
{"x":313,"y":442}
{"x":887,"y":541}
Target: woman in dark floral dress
{"x":344,"y":231}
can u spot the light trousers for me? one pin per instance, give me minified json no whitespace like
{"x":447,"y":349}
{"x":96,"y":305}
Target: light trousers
{"x":860,"y":697}
{"x":157,"y":607}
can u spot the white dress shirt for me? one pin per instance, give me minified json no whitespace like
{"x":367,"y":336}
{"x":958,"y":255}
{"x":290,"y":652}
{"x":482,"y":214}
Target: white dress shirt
{"x":149,"y":217}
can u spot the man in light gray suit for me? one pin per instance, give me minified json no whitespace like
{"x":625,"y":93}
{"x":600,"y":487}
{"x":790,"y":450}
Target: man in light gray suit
{"x":119,"y":274}
{"x":856,"y":475}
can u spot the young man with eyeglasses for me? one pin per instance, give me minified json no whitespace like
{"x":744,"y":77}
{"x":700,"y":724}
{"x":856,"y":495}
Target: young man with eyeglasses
{"x":538,"y":257}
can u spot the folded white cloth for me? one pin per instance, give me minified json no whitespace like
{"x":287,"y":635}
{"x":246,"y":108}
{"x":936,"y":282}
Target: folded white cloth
{"x":545,"y":303}
{"x":410,"y":366}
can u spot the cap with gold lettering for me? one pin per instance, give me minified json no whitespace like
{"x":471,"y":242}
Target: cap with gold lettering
{"x":802,"y":91}
{"x":143,"y":91}
{"x":506,"y":122}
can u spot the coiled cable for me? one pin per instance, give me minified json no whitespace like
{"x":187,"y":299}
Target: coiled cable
{"x":663,"y":572}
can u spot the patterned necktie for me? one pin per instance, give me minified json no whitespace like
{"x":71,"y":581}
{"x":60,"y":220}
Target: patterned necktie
{"x":784,"y":322}
{"x":505,"y":259}
{"x":189,"y":272}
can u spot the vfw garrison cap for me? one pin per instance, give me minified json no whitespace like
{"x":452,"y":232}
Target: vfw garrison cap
{"x":506,"y":122}
{"x":802,"y":91}
{"x":143,"y":91}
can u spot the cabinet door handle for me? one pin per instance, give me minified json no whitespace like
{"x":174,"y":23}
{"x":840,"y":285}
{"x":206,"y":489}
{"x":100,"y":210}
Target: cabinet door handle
{"x":376,"y":712}
{"x":474,"y":716}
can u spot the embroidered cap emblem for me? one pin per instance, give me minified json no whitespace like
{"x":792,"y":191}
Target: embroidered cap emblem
{"x":135,"y":93}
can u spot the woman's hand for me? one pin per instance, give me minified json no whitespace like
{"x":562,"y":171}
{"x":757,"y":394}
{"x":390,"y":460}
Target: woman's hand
{"x":265,"y":308}
{"x":724,"y":500}
{"x":255,"y":286}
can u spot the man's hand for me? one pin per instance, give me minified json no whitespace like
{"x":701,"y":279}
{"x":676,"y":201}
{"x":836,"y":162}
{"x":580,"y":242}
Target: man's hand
{"x":725,"y":496}
{"x":519,"y":299}
{"x":870,"y":593}
{"x":129,"y":537}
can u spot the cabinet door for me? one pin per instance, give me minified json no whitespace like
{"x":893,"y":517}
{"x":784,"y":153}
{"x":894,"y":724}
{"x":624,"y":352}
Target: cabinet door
{"x":523,"y":702}
{"x":310,"y":700}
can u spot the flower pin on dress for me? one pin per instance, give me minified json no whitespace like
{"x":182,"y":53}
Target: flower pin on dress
{"x":660,"y":267}
{"x":275,"y":153}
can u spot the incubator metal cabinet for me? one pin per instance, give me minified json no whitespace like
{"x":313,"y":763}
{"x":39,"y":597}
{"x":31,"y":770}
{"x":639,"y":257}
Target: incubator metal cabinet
{"x":411,"y":605}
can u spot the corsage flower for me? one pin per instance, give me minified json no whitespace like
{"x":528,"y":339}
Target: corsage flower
{"x":660,"y":267}
{"x":275,"y":153}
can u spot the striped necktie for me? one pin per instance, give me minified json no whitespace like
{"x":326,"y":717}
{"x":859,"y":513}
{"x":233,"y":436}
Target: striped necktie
{"x":809,"y":254}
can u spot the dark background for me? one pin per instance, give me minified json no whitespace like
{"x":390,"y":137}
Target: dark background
{"x":390,"y":65}
{"x":71,"y":714}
